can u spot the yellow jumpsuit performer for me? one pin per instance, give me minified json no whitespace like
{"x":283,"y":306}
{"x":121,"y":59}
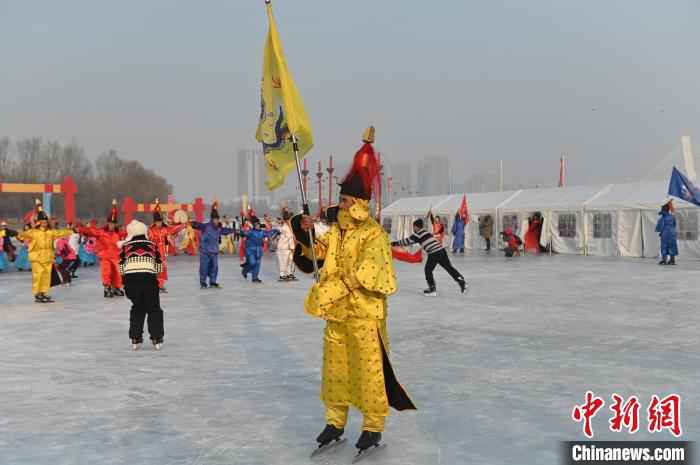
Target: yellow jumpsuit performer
{"x":356,"y":277}
{"x":42,"y":253}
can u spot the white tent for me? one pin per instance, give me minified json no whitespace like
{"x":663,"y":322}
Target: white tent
{"x":562,"y":209}
{"x":479,"y":204}
{"x":622,"y":221}
{"x":611,"y":220}
{"x":399,"y":216}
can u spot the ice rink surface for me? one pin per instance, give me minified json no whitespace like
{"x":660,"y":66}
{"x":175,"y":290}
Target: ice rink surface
{"x":494,"y":374}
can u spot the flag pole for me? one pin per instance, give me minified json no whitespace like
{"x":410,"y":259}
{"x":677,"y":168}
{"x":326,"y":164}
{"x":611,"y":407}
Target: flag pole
{"x":305,"y":203}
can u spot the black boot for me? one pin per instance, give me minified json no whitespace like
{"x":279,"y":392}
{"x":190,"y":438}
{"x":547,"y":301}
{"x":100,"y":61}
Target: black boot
{"x":108,"y":292}
{"x":463,"y":286}
{"x":368,"y":439}
{"x":663,"y":261}
{"x":118,"y":292}
{"x":329,"y":434}
{"x":431,"y":291}
{"x":672,"y":261}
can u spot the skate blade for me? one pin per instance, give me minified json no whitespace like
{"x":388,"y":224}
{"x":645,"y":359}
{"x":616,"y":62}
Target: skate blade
{"x":327,"y":447}
{"x":433,"y":294}
{"x":361,"y":455}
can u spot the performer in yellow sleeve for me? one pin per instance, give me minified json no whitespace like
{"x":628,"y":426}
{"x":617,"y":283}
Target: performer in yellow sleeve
{"x":42,"y":253}
{"x":356,"y":277}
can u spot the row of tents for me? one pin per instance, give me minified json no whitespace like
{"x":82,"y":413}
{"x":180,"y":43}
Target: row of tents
{"x":608,"y":220}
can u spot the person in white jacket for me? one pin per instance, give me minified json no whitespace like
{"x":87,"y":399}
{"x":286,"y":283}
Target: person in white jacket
{"x":285,"y":249}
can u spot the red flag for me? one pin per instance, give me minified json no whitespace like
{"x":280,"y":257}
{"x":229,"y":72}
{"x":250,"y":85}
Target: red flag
{"x":464,"y":209}
{"x":404,"y":256}
{"x":562,"y":173}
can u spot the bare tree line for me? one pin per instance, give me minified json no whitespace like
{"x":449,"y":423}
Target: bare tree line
{"x":35,"y":160}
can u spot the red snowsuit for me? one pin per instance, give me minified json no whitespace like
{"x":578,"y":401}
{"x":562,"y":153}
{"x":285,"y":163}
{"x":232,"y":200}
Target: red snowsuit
{"x":160,"y":237}
{"x":108,"y":251}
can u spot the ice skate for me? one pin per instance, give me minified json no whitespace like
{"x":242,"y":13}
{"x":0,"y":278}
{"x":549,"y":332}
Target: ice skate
{"x":215,"y":286}
{"x":463,"y":285}
{"x":203,"y":285}
{"x":47,"y":299}
{"x":368,"y":444}
{"x":283,"y":279}
{"x":244,"y":273}
{"x":663,"y":261}
{"x":135,"y":345}
{"x":430,"y":292}
{"x":39,"y":299}
{"x":117,"y":292}
{"x":329,"y":438}
{"x":672,"y":261}
{"x":108,"y":294}
{"x":257,"y":281}
{"x":157,"y":345}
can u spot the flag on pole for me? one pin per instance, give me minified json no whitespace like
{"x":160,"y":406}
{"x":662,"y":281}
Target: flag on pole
{"x":282,"y":113}
{"x":562,"y":172}
{"x":681,"y":187}
{"x":464,"y":209}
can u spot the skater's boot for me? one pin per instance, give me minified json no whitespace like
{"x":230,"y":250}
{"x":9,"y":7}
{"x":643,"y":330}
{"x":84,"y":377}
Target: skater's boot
{"x":329,"y":434}
{"x":430,"y":292}
{"x":203,"y":285}
{"x":463,"y":285}
{"x":663,"y":261}
{"x":47,"y":298}
{"x":215,"y":285}
{"x":257,"y":281}
{"x":118,"y":292}
{"x":135,"y":344}
{"x":108,"y":292}
{"x":368,"y":439}
{"x":672,"y":261}
{"x":157,"y":343}
{"x":39,"y":298}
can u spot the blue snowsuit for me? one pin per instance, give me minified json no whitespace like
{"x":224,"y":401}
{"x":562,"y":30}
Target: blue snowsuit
{"x":458,"y":235}
{"x":254,"y":249}
{"x":666,"y":227}
{"x":209,"y":250}
{"x":22,"y":262}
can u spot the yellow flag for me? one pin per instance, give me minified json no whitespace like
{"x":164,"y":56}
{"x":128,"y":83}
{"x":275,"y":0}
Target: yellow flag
{"x":282,"y":114}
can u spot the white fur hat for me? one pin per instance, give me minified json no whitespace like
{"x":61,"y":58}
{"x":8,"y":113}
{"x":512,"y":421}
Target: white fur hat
{"x":135,"y":228}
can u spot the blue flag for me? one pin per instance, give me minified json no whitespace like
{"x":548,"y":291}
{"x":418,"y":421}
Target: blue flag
{"x":681,"y":187}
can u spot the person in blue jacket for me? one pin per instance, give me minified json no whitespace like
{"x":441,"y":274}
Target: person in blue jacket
{"x":458,"y":235}
{"x":209,"y":248}
{"x":254,"y":248}
{"x":666,"y":227}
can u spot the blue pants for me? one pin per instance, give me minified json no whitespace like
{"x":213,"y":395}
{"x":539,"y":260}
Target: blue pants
{"x":252,"y":264}
{"x":669,"y":245}
{"x":208,"y":267}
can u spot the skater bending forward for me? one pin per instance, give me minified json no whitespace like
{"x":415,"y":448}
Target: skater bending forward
{"x":436,"y":256}
{"x":139,"y":263}
{"x":356,"y":277}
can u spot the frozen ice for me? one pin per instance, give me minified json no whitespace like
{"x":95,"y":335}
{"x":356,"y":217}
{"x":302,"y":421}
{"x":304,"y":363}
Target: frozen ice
{"x":494,"y":374}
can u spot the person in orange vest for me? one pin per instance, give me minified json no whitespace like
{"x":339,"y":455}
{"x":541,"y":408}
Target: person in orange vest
{"x":108,"y":252}
{"x":159,"y":233}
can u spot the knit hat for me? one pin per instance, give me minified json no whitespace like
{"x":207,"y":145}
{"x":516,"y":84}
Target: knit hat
{"x":363,"y":178}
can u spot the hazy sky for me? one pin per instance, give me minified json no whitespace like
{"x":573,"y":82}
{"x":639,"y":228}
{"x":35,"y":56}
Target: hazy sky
{"x":176,"y":83}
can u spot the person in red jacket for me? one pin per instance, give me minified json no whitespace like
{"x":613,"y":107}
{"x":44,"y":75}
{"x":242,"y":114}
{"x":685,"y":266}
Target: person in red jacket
{"x":159,"y":233}
{"x":108,"y":252}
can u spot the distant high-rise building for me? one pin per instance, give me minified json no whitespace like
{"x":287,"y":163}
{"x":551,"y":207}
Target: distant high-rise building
{"x":250,"y":177}
{"x":433,"y":177}
{"x":401,"y":180}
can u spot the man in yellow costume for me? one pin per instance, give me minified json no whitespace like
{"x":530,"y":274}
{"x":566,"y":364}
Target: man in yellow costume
{"x":356,"y":277}
{"x":42,"y":253}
